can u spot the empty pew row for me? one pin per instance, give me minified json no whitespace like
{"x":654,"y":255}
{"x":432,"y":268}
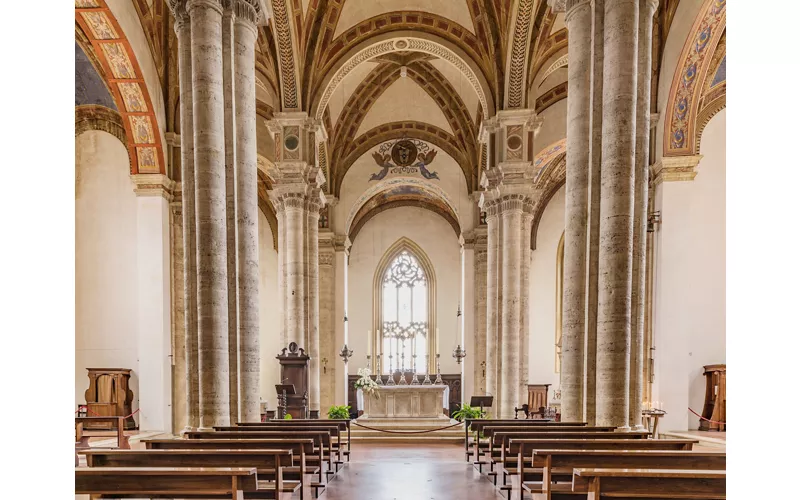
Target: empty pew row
{"x":344,"y":426}
{"x":475,"y":426}
{"x":651,"y":484}
{"x":336,"y":429}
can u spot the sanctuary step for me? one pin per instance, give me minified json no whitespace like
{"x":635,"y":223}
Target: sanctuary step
{"x":404,"y":429}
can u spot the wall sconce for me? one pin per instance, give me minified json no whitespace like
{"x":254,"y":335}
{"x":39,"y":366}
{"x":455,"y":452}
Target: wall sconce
{"x":653,"y":218}
{"x":345,"y":353}
{"x":324,"y":365}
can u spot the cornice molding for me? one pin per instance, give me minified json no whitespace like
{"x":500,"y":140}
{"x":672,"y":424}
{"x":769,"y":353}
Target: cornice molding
{"x":675,"y":169}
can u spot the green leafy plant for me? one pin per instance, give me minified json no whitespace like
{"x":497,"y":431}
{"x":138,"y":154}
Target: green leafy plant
{"x":340,"y":412}
{"x":466,"y":411}
{"x":287,"y":417}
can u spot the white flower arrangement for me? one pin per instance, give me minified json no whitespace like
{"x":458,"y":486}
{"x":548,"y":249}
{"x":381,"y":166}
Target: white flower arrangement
{"x":366,"y":384}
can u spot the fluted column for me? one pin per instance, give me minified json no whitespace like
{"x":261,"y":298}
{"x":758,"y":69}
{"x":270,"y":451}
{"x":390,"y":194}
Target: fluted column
{"x":230,"y":205}
{"x":579,"y":25}
{"x":492,"y":289}
{"x":616,"y":212}
{"x":593,"y":247}
{"x":245,"y":35}
{"x":183,"y":33}
{"x":511,"y":219}
{"x":480,"y":282}
{"x":641,"y":170}
{"x":209,"y":162}
{"x":313,"y":206}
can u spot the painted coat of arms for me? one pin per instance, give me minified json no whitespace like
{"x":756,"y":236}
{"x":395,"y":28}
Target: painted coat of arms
{"x":403,"y":157}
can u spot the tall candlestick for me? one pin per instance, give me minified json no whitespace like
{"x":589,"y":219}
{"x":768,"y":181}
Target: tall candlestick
{"x":437,"y":341}
{"x":369,"y":342}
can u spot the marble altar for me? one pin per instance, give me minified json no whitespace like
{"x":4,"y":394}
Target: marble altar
{"x":406,"y":401}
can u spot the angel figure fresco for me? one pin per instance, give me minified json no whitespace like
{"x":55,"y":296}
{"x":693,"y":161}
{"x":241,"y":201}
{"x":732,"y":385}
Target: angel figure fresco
{"x":426,"y":159}
{"x":383,"y":161}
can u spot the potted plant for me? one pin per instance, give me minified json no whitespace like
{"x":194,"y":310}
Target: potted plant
{"x":366,"y":384}
{"x":466,"y":411}
{"x":339,"y":412}
{"x":287,"y":417}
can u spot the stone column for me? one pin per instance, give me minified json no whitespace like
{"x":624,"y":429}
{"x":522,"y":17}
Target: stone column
{"x":230,"y":205}
{"x":579,"y":25}
{"x":313,"y":206}
{"x":616,"y":212}
{"x":294,"y":213}
{"x":209,"y":163}
{"x":511,"y":219}
{"x":480,"y":309}
{"x":154,"y":192}
{"x":492,"y":289}
{"x":183,"y":32}
{"x":245,"y":35}
{"x":329,"y":361}
{"x":525,"y":283}
{"x":180,"y":411}
{"x":341,"y":245}
{"x":641,"y":172}
{"x":284,"y":327}
{"x":593,"y":247}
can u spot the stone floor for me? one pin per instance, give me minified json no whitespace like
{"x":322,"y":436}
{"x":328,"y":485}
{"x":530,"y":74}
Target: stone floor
{"x":389,"y":471}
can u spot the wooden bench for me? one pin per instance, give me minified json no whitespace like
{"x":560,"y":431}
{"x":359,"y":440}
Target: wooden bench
{"x":344,"y":425}
{"x":269,"y":464}
{"x":119,"y":423}
{"x":656,"y":484}
{"x":307,"y":457}
{"x":322,"y":439}
{"x":169,"y":482}
{"x":476,"y":425}
{"x":562,"y":462}
{"x":336,"y":429}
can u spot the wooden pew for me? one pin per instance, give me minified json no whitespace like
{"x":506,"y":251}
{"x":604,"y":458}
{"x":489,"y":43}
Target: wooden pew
{"x":334,"y":427}
{"x":171,"y":482}
{"x":561,"y":462}
{"x":343,"y":423}
{"x":476,"y":425}
{"x":501,"y":452}
{"x":528,"y":466}
{"x":656,"y":484}
{"x":308,"y":457}
{"x":119,"y":423}
{"x":269,"y":464}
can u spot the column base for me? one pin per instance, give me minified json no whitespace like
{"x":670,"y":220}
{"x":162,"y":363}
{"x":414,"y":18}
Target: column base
{"x":638,"y":428}
{"x":625,"y":428}
{"x":205,"y":429}
{"x":186,"y":429}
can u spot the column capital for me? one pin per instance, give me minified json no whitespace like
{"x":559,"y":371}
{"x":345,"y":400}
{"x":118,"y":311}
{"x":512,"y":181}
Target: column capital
{"x":341,"y":243}
{"x":674,"y":168}
{"x":476,"y":238}
{"x":557,"y":6}
{"x":153,"y":185}
{"x":572,"y":6}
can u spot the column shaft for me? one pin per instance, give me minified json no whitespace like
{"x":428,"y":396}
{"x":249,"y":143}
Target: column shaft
{"x":480,"y":317}
{"x":492,"y":313}
{"x":616,"y":212}
{"x":327,"y":325}
{"x":312,"y":241}
{"x":641,"y":168}
{"x":183,"y":32}
{"x":593,"y":246}
{"x":525,"y":275}
{"x":295,"y":285}
{"x":209,"y":162}
{"x":509,"y":359}
{"x":230,"y":206}
{"x":280,"y":214}
{"x":579,"y":24}
{"x":247,"y":216}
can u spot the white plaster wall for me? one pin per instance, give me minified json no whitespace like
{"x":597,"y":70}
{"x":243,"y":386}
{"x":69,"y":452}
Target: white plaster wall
{"x":355,"y":12}
{"x":689,"y":281}
{"x":404,"y":100}
{"x":346,"y":88}
{"x":461,"y":84}
{"x":554,"y":127}
{"x":437,"y":239}
{"x":269,"y":312}
{"x":451,"y":181}
{"x":542,"y":351}
{"x":105,"y":260}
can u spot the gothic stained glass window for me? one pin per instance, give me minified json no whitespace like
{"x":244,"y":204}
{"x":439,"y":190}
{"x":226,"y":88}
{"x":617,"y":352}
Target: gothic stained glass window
{"x":405,"y":315}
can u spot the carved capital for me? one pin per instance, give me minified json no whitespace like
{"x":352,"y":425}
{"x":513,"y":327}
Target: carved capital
{"x":675,"y":168}
{"x":153,"y":185}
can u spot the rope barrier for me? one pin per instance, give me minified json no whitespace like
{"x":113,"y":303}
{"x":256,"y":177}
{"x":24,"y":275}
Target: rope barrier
{"x":707,"y":420}
{"x":406,"y":432}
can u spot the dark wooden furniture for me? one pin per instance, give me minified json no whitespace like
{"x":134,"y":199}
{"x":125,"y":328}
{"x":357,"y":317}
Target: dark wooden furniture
{"x":537,"y":398}
{"x":270,"y":464}
{"x":652,"y":483}
{"x":453,"y":381}
{"x":714,"y":407}
{"x":343,"y":425}
{"x":108,"y":395}
{"x":554,"y":463}
{"x":208,"y":482}
{"x":117,"y":423}
{"x":476,"y":426}
{"x":294,"y":370}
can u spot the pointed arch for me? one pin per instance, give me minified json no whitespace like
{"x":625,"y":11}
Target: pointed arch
{"x":403,"y":244}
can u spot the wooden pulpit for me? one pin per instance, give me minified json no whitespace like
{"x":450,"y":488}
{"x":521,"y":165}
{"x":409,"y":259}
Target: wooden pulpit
{"x":714,"y":407}
{"x":294,"y":371}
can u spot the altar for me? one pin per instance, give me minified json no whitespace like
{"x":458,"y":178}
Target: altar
{"x":406,"y":401}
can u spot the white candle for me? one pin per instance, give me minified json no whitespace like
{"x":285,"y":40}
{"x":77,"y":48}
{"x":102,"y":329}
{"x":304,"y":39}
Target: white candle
{"x":437,"y":341}
{"x":369,"y":343}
